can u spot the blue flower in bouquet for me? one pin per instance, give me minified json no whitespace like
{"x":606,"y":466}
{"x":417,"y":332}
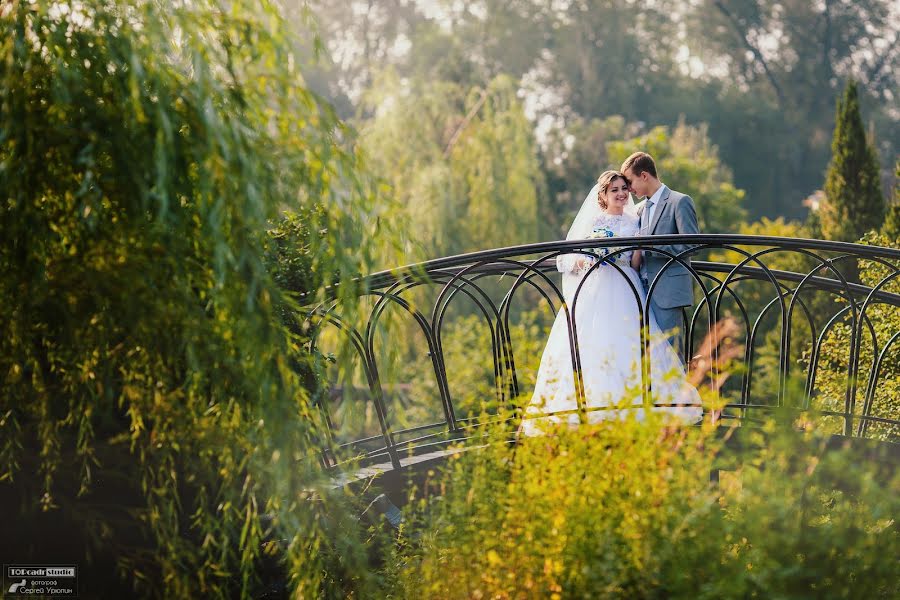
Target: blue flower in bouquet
{"x":601,"y":232}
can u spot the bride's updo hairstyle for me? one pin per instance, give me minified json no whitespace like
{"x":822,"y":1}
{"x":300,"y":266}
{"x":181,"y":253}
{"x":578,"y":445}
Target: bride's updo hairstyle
{"x":605,"y":180}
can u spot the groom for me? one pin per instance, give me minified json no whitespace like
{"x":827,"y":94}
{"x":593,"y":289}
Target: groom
{"x":664,"y":212}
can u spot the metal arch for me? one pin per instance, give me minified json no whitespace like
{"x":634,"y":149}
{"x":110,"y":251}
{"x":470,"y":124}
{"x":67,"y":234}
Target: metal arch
{"x":745,"y":315}
{"x":809,"y":319}
{"x":374,"y":385}
{"x":784,"y":362}
{"x":865,"y":307}
{"x":748,"y":354}
{"x":499,"y":342}
{"x":543,"y":292}
{"x":504,"y":311}
{"x":850,"y":396}
{"x":355,"y":339}
{"x":437,"y":322}
{"x":505,"y":304}
{"x":507,"y":301}
{"x":795,"y":297}
{"x":504,"y":308}
{"x":403,"y":285}
{"x":855,"y":334}
{"x":438,"y":354}
{"x":755,"y":257}
{"x":503,"y":325}
{"x":423,"y":324}
{"x":505,"y":348}
{"x":814,"y":359}
{"x":442,"y":303}
{"x":714,"y":290}
{"x":434,"y":344}
{"x":870,"y":388}
{"x":823,"y":263}
{"x":503,"y":314}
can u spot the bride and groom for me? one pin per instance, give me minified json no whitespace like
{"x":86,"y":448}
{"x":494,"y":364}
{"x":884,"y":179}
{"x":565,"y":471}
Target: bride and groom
{"x":604,"y":310}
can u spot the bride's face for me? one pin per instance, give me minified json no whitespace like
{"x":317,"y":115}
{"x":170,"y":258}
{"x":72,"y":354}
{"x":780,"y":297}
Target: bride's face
{"x":617,"y":195}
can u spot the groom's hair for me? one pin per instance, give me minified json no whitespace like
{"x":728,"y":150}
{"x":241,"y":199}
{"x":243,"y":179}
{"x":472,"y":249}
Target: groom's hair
{"x":640,"y":162}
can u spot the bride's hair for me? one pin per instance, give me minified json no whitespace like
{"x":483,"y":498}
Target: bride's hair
{"x":605,"y":180}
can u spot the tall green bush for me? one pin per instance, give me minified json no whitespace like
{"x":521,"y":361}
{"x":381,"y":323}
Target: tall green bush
{"x":882,"y":322}
{"x":891,"y":228}
{"x":853,"y":202}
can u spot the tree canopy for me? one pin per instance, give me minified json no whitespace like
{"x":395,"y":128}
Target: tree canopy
{"x":762,"y":75}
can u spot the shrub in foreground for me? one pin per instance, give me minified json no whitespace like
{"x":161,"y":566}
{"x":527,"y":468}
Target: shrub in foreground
{"x":628,"y":509}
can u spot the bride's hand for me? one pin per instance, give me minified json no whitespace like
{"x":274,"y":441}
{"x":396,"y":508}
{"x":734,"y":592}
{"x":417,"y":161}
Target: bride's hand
{"x":583,"y":263}
{"x":636,"y":259}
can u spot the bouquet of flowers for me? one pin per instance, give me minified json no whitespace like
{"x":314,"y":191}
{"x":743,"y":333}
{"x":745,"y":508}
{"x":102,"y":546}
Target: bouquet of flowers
{"x":601,"y":232}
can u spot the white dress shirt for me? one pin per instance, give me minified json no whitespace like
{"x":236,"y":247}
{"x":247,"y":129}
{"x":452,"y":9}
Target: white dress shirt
{"x":650,"y":208}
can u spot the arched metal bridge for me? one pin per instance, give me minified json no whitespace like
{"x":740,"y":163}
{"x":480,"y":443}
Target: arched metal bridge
{"x":778,"y":323}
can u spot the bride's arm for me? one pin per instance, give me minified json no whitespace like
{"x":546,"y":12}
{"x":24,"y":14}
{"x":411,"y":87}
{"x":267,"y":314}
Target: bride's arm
{"x":636,"y":260}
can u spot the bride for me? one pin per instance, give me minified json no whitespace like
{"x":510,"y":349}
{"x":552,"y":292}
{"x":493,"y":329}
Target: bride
{"x":603,"y":303}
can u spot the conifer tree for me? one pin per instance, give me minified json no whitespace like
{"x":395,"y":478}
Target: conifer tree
{"x":891,"y":227}
{"x":853,"y":203}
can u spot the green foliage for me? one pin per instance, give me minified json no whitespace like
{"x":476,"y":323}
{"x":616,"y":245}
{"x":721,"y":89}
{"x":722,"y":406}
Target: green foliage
{"x":627,"y":510}
{"x":466,"y":348}
{"x":832,"y":379}
{"x":470,"y":367}
{"x":688,"y":162}
{"x":764,"y":74}
{"x":755,"y":295}
{"x":891,"y":227}
{"x":574,"y":158}
{"x":781,"y":66}
{"x":468,"y":166}
{"x":853,"y":202}
{"x":145,"y":148}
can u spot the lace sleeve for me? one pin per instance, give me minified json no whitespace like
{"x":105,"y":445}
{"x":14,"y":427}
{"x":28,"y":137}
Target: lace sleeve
{"x":568,"y":263}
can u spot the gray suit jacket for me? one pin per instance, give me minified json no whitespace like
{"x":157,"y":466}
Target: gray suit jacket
{"x":675,"y":213}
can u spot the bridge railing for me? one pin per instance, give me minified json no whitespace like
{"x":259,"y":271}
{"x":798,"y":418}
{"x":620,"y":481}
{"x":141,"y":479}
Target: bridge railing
{"x":805,"y":325}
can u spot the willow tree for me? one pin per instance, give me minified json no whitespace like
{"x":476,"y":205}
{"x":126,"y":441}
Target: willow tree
{"x":153,"y":405}
{"x":463,"y":162}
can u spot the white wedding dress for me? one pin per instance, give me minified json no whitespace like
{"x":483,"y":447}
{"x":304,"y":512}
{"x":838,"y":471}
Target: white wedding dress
{"x":607,"y":323}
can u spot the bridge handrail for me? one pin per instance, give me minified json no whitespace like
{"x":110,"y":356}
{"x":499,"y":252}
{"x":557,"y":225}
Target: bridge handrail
{"x":717,"y":240}
{"x":461,"y":276}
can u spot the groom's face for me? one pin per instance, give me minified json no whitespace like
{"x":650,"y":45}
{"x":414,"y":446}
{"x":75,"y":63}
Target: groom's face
{"x":639,"y":186}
